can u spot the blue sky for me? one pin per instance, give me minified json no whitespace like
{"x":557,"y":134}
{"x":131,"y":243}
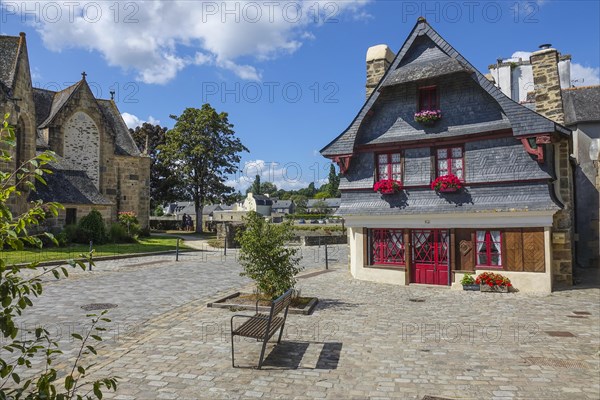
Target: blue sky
{"x":290,"y":74}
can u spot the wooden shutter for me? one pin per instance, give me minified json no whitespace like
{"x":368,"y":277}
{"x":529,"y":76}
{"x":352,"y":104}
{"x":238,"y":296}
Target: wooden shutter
{"x":533,"y":250}
{"x":512,"y":253}
{"x":465,"y":250}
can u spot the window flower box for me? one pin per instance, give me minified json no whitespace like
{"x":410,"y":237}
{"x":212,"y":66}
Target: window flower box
{"x":387,"y":186}
{"x":428,"y":117}
{"x":491,"y":282}
{"x":446,"y":184}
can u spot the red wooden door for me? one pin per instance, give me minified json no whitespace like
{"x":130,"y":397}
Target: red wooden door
{"x":430,"y":256}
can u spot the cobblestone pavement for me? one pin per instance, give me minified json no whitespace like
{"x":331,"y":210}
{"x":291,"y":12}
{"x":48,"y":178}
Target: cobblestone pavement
{"x":364,"y":340}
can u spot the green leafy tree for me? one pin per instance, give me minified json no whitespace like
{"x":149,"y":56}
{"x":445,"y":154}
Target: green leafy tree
{"x":202,"y":150}
{"x":17,"y":290}
{"x":163,"y":181}
{"x":265,"y":257}
{"x":320,"y":207}
{"x":255,"y":188}
{"x":334,"y":182}
{"x":268,"y":188}
{"x":301,"y":203}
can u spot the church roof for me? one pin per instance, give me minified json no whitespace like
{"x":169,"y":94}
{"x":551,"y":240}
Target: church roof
{"x":418,"y":59}
{"x":58,"y":101}
{"x":48,"y":104}
{"x":9,"y":50}
{"x":581,"y":104}
{"x":68,"y":185}
{"x":125,"y":145}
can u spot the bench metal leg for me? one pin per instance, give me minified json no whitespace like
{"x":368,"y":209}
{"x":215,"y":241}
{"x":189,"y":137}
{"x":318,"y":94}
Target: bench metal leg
{"x":262,"y":353}
{"x":232,"y":353}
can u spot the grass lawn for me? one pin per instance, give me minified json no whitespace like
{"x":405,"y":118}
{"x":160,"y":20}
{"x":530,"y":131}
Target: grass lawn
{"x":145,"y":245}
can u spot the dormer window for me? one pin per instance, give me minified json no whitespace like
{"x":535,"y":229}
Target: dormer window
{"x":389,"y":166}
{"x":428,"y":99}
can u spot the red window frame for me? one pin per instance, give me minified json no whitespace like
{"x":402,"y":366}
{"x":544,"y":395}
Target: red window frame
{"x":388,"y":247}
{"x":450,"y":158}
{"x":488,"y":253}
{"x":428,"y":99}
{"x":389,"y":163}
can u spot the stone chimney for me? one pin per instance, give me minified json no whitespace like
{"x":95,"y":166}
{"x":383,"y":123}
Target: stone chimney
{"x":379,"y":59}
{"x":546,"y":80}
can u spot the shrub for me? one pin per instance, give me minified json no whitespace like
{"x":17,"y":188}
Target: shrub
{"x":130,"y":222}
{"x":71,"y":232}
{"x":264,"y":256}
{"x":117,"y":233}
{"x":91,"y":227}
{"x":145,"y":232}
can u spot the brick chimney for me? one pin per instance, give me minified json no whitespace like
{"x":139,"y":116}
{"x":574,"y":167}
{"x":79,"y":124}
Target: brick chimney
{"x":546,"y":80}
{"x":379,"y":59}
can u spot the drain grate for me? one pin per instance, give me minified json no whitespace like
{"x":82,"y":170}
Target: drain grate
{"x":581,"y":313}
{"x":417,"y":300}
{"x":435,"y":398}
{"x":556,"y":362}
{"x":559,"y":334}
{"x":577,"y":316}
{"x":98,"y":306}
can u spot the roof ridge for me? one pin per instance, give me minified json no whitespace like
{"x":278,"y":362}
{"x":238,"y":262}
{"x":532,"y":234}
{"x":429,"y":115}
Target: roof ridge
{"x":582,"y":87}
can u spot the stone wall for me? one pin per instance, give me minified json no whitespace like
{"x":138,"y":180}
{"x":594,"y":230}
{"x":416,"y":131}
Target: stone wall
{"x":82,"y":145}
{"x":134,"y":187}
{"x":548,"y":102}
{"x":22,"y":112}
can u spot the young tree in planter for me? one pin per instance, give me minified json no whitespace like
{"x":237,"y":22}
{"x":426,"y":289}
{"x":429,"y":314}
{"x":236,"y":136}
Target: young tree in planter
{"x":202,"y":150}
{"x":265,"y":257}
{"x":19,"y":348}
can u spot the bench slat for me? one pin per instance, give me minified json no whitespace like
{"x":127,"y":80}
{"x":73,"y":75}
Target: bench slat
{"x":256,"y":326}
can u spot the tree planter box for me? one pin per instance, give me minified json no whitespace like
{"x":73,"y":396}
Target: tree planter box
{"x":227,"y":302}
{"x":497,"y":289}
{"x":473,"y":287}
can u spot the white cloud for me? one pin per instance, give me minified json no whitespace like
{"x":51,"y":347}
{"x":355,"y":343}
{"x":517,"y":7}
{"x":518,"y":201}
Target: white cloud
{"x":584,"y":76}
{"x":133,"y":121}
{"x":154,"y":38}
{"x":284,"y":175}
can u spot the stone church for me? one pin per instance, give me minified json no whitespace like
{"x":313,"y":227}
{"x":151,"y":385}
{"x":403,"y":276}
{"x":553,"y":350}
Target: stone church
{"x":98,"y":165}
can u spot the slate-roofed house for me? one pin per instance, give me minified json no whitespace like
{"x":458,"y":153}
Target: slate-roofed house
{"x":283,"y":207}
{"x":512,"y":213}
{"x":98,"y":164}
{"x":328,"y":205}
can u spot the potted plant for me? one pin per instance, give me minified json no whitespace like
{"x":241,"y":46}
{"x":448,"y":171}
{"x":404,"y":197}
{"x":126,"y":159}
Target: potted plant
{"x":491,"y":282}
{"x":387,"y":186}
{"x":468,"y":283}
{"x":446,"y":184}
{"x":428,"y":117}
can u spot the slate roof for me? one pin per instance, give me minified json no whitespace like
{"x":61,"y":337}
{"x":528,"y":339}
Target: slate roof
{"x":68,"y":185}
{"x":332,"y":202}
{"x":43,"y":104}
{"x":282,"y":204}
{"x":424,"y":70}
{"x":9,"y":50}
{"x":532,"y":196}
{"x":125,"y":145}
{"x":581,"y":104}
{"x":58,"y":101}
{"x":523,"y":121}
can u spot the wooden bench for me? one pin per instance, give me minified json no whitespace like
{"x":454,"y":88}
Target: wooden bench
{"x":263,"y":326}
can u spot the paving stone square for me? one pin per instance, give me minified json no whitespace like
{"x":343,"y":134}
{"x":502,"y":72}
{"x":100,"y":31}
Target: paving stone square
{"x":364,"y":340}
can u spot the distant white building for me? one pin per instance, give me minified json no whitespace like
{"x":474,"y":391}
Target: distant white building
{"x":256,"y":202}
